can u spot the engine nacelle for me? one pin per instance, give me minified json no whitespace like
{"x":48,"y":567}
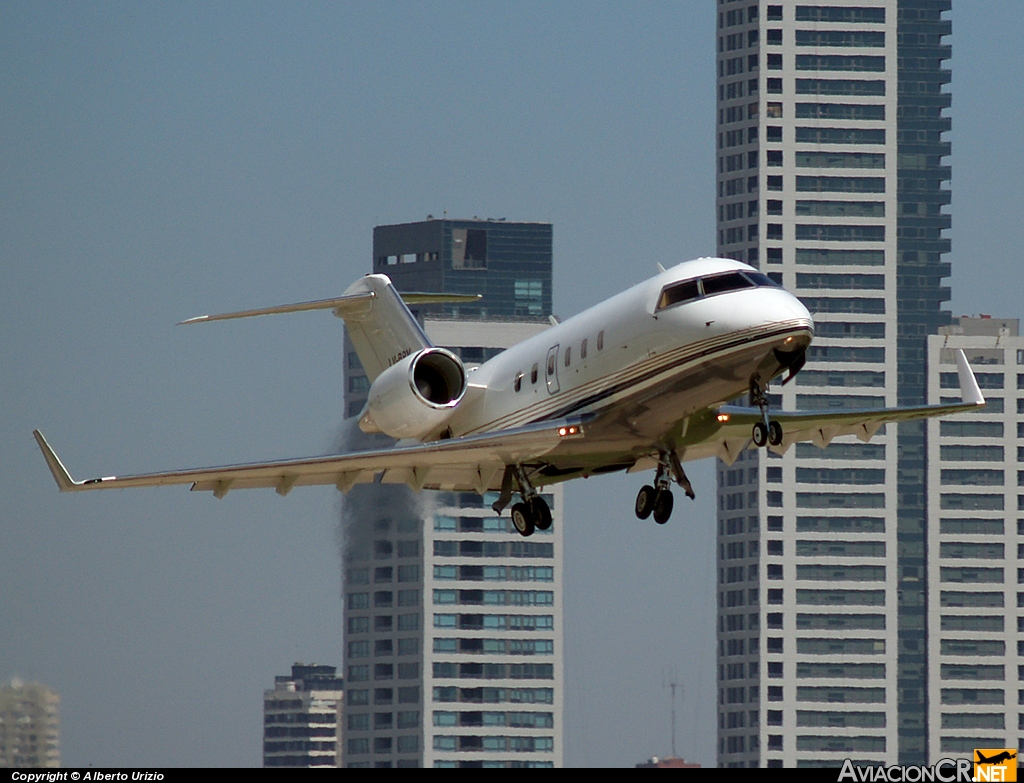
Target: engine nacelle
{"x":414,"y":398}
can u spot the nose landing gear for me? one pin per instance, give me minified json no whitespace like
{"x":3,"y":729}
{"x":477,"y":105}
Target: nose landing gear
{"x":658,"y":500}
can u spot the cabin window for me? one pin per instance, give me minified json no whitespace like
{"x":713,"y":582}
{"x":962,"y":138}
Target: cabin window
{"x":583,"y":349}
{"x":600,"y":340}
{"x":519,"y":381}
{"x":568,"y":355}
{"x":551,"y":364}
{"x":533,"y":374}
{"x":719,"y":284}
{"x":674,"y":294}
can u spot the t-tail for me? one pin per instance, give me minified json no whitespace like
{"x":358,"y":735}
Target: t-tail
{"x":379,"y":323}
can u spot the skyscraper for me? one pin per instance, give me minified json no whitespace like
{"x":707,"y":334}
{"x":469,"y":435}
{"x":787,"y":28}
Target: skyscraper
{"x":302,"y":718}
{"x":29,"y":726}
{"x":830,"y":179}
{"x":975,"y":542}
{"x":453,"y":621}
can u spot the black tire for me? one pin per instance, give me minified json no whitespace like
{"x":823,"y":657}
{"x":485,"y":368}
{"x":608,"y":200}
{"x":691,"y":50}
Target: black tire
{"x":522,"y":520}
{"x":541,"y":513}
{"x":663,"y":503}
{"x":645,"y":501}
{"x":774,"y":433}
{"x":760,"y":434}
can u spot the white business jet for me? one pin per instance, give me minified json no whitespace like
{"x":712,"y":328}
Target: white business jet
{"x":637,"y":382}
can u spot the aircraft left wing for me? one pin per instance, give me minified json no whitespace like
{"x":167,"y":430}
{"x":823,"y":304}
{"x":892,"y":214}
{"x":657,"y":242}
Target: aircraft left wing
{"x":820,"y":427}
{"x":474,"y":463}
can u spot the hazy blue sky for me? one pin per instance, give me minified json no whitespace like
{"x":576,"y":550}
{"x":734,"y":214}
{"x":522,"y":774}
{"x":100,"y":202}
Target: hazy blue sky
{"x":159,"y":161}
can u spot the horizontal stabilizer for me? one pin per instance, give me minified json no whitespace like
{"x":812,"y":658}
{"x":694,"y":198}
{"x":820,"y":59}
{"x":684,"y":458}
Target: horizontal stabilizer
{"x":339,"y":304}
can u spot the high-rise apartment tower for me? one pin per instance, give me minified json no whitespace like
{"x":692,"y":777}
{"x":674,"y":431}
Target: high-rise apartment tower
{"x":830,"y":178}
{"x":975,"y":543}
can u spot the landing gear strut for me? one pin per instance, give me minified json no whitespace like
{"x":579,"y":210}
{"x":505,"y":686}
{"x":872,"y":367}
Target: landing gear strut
{"x":765,"y":431}
{"x":533,"y":513}
{"x":658,"y":500}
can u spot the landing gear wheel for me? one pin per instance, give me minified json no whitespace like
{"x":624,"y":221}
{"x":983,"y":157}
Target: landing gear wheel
{"x":760,"y":434}
{"x":774,"y":433}
{"x":663,"y":502}
{"x":540,"y":512}
{"x":522,"y":519}
{"x":645,"y":501}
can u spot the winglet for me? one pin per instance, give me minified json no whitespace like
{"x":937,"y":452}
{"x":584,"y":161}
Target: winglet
{"x":60,"y":473}
{"x":970,"y":392}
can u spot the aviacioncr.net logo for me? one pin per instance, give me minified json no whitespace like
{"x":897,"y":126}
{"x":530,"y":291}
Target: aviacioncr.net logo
{"x":995,"y":765}
{"x":943,"y":771}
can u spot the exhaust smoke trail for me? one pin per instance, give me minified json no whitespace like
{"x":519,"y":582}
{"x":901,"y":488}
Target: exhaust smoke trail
{"x":371,"y":511}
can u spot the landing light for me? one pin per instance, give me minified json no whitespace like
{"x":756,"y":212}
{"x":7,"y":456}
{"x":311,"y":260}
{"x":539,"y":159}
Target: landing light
{"x":789,"y":340}
{"x":722,"y":417}
{"x":571,"y":430}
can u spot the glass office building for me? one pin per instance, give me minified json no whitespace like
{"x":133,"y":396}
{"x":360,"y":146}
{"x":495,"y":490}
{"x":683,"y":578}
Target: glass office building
{"x":831,"y":178}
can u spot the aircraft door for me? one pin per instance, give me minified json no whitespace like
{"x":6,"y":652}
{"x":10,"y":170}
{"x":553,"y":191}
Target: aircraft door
{"x":551,"y":371}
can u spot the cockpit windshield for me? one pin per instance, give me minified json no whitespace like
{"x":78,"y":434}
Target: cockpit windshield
{"x":697,"y":288}
{"x":719,"y":284}
{"x":678,"y":292}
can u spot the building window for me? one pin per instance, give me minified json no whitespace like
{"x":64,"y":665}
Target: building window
{"x":469,"y":248}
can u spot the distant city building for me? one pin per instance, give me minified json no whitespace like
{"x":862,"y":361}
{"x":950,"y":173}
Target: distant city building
{"x":667,"y":762}
{"x":29,"y":726}
{"x":831,"y":178}
{"x":975,"y":614}
{"x":454,"y":630}
{"x":302,"y":718}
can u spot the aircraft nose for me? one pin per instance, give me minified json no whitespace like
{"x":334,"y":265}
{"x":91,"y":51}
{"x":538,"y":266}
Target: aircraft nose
{"x":799,"y":310}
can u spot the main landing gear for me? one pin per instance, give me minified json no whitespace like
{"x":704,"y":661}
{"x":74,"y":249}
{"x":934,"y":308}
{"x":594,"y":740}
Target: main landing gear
{"x":533,"y":513}
{"x":765,"y":431}
{"x":658,"y":500}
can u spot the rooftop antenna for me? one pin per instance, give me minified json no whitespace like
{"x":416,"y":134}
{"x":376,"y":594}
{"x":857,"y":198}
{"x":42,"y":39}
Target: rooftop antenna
{"x":673,"y":684}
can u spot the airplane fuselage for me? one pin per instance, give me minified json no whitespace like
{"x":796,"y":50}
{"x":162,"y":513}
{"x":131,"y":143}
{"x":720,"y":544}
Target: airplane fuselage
{"x":682,"y":356}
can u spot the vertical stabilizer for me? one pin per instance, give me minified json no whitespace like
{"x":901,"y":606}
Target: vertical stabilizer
{"x":379,"y":324}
